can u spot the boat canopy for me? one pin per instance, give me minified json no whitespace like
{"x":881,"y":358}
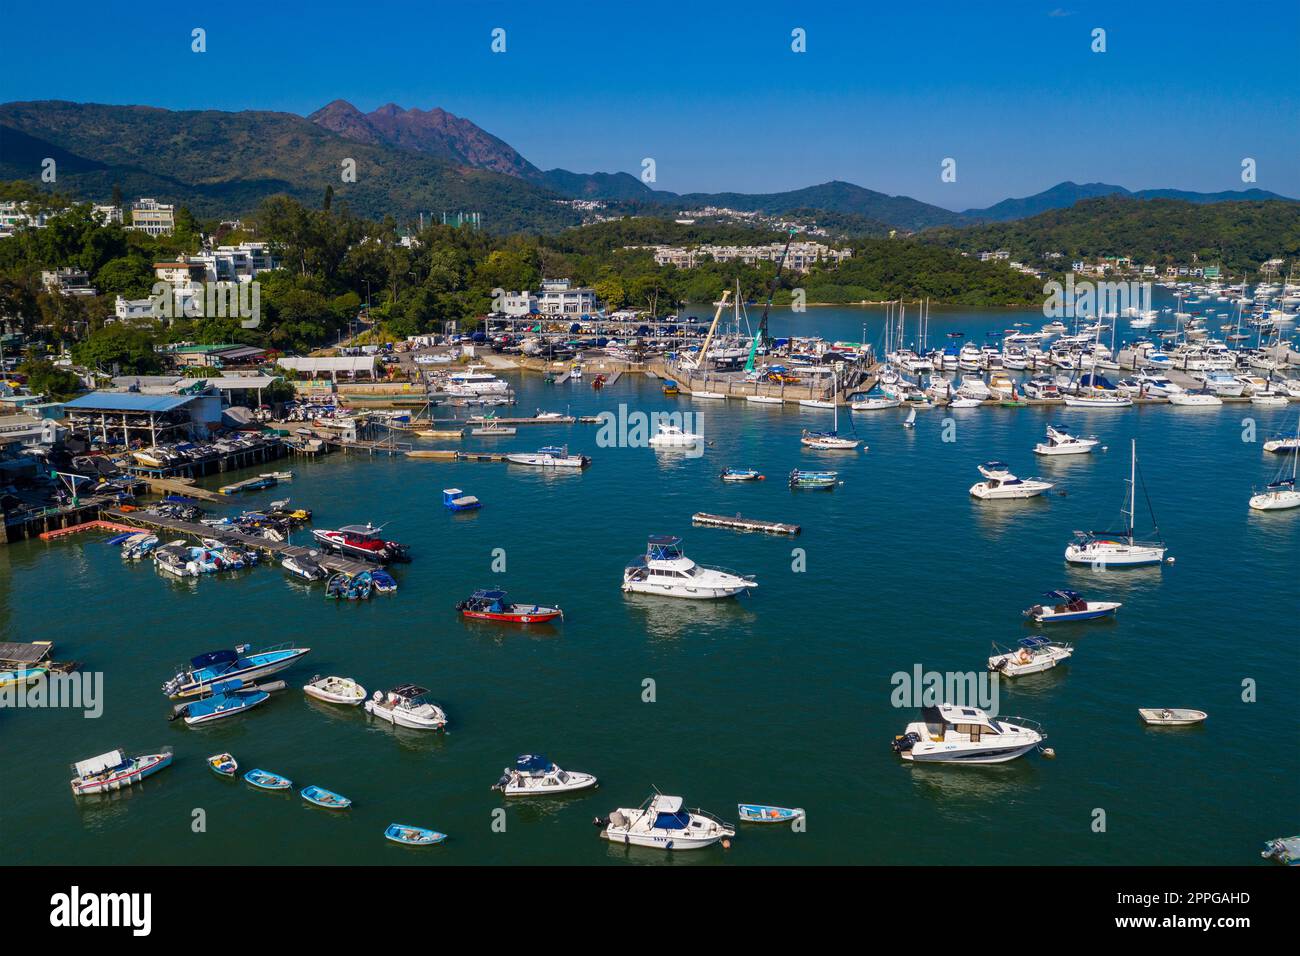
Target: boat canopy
{"x":1281,"y":484}
{"x":1032,"y":642}
{"x":409,"y":691}
{"x":489,"y":595}
{"x":108,"y":761}
{"x":1067,"y":597}
{"x":213,"y":658}
{"x":664,"y":547}
{"x":994,"y":466}
{"x":532,"y":763}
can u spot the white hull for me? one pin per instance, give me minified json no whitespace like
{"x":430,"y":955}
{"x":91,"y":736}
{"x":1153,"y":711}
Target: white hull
{"x":1275,"y":501}
{"x":763,"y":400}
{"x":402,"y":718}
{"x":336,"y":690}
{"x":1079,"y":401}
{"x":1186,"y":400}
{"x":1026,"y":489}
{"x":693,"y":592}
{"x":708,"y":395}
{"x":1116,"y":555}
{"x":546,"y":461}
{"x":1083,"y":446}
{"x":947,"y":753}
{"x":549,"y":785}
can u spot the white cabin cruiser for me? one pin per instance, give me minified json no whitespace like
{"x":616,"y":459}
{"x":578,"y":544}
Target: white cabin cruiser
{"x":674,"y":437}
{"x":951,"y":733}
{"x":475,"y":382}
{"x":1195,"y":400}
{"x":553,"y":456}
{"x":999,"y":482}
{"x":535,"y":776}
{"x":1034,"y":655}
{"x":665,"y":571}
{"x":407,"y":705}
{"x":1061,"y":442}
{"x":662,"y":823}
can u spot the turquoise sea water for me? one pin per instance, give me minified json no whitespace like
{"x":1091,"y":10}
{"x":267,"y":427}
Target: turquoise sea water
{"x":781,"y":696}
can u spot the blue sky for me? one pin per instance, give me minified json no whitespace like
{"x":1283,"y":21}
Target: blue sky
{"x":713,"y":92}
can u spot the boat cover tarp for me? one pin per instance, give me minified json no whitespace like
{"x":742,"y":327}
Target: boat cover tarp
{"x":673,"y":821}
{"x":212,"y":658}
{"x":99,"y":764}
{"x":22,"y":653}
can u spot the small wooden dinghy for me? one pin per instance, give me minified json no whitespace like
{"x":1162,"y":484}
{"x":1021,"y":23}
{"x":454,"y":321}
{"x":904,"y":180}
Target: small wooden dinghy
{"x":265,"y":780}
{"x":413,"y":836}
{"x":335,"y":690}
{"x":224,"y":765}
{"x":759,"y":813}
{"x":1171,"y":717}
{"x":325,"y":798}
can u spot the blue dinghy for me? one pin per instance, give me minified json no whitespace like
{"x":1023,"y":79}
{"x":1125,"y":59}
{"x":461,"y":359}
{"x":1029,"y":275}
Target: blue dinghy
{"x":759,"y":813}
{"x":264,"y":780}
{"x":383,"y":582}
{"x":325,"y":798}
{"x":413,"y":836}
{"x":119,"y":538}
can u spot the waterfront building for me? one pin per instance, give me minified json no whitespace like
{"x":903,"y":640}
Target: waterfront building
{"x":560,"y":297}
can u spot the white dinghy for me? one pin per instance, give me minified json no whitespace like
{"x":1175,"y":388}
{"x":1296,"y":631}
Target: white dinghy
{"x":335,"y":690}
{"x":1171,"y":716}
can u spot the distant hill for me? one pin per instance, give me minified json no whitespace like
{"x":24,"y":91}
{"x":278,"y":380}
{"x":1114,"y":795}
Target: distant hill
{"x":223,"y":164}
{"x":1238,"y":235}
{"x":899,"y":211}
{"x":1066,"y":194}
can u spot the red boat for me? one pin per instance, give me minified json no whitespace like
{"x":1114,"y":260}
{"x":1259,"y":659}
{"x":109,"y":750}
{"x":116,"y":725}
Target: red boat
{"x":493,"y":606}
{"x":362,"y":541}
{"x":598,"y":382}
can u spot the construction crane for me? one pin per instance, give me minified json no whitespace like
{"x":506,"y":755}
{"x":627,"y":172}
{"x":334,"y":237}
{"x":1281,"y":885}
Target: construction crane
{"x":761,"y":335}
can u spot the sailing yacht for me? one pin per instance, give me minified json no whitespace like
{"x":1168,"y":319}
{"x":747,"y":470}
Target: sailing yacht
{"x":1280,"y":494}
{"x":831,"y":440}
{"x":1103,"y":549}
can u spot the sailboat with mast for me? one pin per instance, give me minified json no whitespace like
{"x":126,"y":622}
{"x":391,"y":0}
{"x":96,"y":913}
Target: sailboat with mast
{"x":831,"y":440}
{"x":1281,"y":493}
{"x":1103,"y":549}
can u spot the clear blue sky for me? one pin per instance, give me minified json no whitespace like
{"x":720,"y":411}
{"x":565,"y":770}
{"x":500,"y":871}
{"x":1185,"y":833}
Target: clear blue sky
{"x":713,"y":92}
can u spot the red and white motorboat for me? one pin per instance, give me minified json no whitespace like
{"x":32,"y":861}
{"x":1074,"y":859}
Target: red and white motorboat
{"x":114,"y":770}
{"x":493,"y":606}
{"x":362,"y":541}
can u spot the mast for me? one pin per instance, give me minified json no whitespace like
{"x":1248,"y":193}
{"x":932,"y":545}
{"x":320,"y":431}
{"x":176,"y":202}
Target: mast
{"x":780,"y":264}
{"x":1132,"y":491}
{"x":704,"y":350}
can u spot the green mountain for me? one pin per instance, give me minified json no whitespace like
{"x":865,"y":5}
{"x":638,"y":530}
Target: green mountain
{"x":841,"y":197}
{"x":1238,"y":235}
{"x":224,"y":164}
{"x":1066,"y":194}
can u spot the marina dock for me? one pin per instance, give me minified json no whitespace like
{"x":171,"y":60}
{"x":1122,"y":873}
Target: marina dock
{"x":265,"y":546}
{"x":562,"y":420}
{"x":739,"y":523}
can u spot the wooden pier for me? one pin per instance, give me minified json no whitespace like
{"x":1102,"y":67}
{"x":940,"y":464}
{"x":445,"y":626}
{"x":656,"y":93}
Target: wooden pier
{"x":739,"y":523}
{"x":178,"y":486}
{"x":452,"y":454}
{"x":273,"y":549}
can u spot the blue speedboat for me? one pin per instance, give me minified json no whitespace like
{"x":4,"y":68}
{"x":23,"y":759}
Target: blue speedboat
{"x":325,"y":798}
{"x":217,"y":666}
{"x":226,"y":700}
{"x":265,"y":780}
{"x":383,"y":582}
{"x":760,"y":813}
{"x":413,"y":836}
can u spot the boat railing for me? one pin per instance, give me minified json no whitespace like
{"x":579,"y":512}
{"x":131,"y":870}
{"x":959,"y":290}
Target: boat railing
{"x":715,"y":818}
{"x":734,"y":573}
{"x":1024,"y":722}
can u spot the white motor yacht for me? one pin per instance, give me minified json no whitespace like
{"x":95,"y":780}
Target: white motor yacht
{"x":1195,"y":400}
{"x":553,"y":456}
{"x":407,"y":706}
{"x":972,"y":386}
{"x":951,"y":733}
{"x":999,"y":482}
{"x":535,"y":776}
{"x":1061,"y":442}
{"x":674,"y":437}
{"x":666,"y":571}
{"x":662,"y":823}
{"x":1281,"y":494}
{"x":1034,"y":654}
{"x":472,"y":381}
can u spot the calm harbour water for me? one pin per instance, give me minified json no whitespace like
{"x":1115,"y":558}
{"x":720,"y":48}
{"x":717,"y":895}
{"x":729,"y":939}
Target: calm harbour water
{"x":782,"y":696}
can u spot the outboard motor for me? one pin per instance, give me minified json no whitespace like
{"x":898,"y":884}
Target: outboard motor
{"x":905,"y":741}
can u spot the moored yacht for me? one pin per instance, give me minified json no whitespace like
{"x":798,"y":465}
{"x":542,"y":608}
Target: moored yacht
{"x":535,"y":776}
{"x":999,"y":482}
{"x":553,"y":456}
{"x":1061,"y":442}
{"x":662,"y":823}
{"x":666,"y":571}
{"x":407,"y":705}
{"x":1034,"y":655}
{"x":227,"y":665}
{"x":674,"y":437}
{"x":362,"y":541}
{"x":952,"y":733}
{"x":1103,"y":549}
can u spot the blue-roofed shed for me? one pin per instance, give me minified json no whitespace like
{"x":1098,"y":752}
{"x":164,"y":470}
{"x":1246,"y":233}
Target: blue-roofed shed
{"x":128,"y":402}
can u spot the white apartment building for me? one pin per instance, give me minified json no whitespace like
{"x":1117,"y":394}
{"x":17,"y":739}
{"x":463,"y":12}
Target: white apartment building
{"x":153,"y":217}
{"x":519,"y":303}
{"x":801,"y":257}
{"x":559,"y":297}
{"x":68,"y":282}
